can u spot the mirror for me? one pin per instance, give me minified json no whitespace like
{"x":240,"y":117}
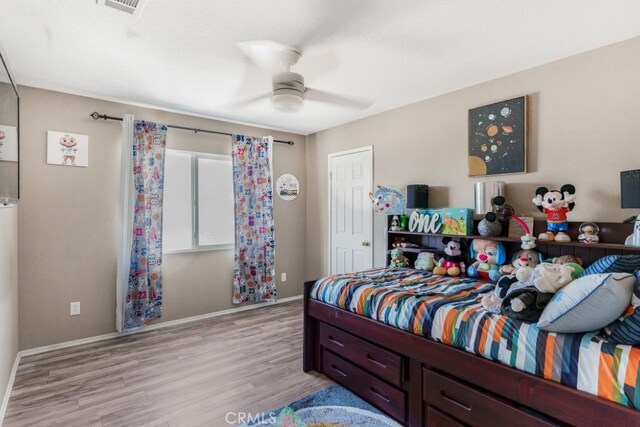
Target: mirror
{"x":9,"y":136}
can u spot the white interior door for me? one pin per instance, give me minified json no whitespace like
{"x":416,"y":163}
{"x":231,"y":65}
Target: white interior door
{"x":350,"y":213}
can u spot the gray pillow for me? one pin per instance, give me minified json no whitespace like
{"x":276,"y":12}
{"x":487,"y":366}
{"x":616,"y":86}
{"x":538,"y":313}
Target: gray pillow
{"x":589,"y":303}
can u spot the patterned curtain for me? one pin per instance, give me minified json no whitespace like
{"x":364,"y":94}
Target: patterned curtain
{"x":254,"y":274}
{"x":144,"y":296}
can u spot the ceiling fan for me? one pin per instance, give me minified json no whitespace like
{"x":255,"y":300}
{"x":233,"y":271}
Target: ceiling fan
{"x":288,"y":92}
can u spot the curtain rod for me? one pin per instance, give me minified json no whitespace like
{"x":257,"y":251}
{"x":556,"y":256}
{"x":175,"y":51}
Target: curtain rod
{"x":97,"y":116}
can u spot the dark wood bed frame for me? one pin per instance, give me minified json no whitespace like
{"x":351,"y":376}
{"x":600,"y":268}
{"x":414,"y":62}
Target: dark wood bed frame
{"x":420,"y":382}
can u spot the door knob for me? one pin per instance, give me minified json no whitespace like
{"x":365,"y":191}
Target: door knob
{"x":366,"y":243}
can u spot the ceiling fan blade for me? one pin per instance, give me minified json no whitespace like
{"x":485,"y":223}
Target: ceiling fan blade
{"x":335,"y":18}
{"x":267,"y":54}
{"x":253,"y":80}
{"x":244,"y":102}
{"x":330,"y":98}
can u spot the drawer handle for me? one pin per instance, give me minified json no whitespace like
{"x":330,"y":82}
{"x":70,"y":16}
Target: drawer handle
{"x":335,"y":341}
{"x":454,"y":401}
{"x":379,"y":394}
{"x":338,"y":370}
{"x":369,"y":357}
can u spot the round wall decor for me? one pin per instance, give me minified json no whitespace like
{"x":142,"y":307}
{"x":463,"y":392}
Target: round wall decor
{"x":287,"y":187}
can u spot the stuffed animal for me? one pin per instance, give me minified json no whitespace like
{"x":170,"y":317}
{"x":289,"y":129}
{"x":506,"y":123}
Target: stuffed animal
{"x":528,"y":242}
{"x":527,"y":298}
{"x":589,"y":233}
{"x":398,"y":259}
{"x":489,"y":226}
{"x":549,"y":277}
{"x":452,"y":264}
{"x":425,"y":261}
{"x":564,"y":259}
{"x":387,"y":200}
{"x":395,"y":224}
{"x":400,"y":242}
{"x":489,"y":256}
{"x":556,"y":204}
{"x":522,"y":259}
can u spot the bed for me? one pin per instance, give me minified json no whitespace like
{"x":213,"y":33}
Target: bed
{"x":422,"y":349}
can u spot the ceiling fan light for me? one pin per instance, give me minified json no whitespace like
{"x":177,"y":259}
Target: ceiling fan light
{"x":287,"y":101}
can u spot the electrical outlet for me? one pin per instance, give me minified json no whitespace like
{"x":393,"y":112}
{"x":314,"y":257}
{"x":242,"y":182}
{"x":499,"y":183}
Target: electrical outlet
{"x":283,"y":277}
{"x":74,"y":309}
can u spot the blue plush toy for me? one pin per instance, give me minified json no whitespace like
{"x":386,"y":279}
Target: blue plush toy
{"x":489,"y":256}
{"x":386,"y":200}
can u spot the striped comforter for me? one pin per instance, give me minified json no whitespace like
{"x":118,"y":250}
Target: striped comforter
{"x":448,"y":310}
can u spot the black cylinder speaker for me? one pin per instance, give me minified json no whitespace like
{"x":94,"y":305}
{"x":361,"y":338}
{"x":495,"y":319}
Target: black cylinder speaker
{"x":417,"y":196}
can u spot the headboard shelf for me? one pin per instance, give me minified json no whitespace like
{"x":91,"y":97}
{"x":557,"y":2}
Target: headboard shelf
{"x":612,"y":235}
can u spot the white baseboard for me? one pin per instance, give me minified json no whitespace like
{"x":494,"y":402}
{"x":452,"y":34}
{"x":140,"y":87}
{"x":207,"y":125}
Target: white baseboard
{"x":168,"y":324}
{"x":7,"y":393}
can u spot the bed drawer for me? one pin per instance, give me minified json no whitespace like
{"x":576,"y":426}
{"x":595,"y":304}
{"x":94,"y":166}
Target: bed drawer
{"x":378,"y":361}
{"x":470,"y":405}
{"x":435,"y":418}
{"x":377,"y":392}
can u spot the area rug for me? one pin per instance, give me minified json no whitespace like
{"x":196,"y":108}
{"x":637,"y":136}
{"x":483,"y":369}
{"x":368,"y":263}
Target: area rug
{"x":333,"y":406}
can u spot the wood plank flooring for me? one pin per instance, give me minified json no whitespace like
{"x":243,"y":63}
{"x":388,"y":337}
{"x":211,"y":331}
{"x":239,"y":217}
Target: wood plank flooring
{"x":191,"y":375}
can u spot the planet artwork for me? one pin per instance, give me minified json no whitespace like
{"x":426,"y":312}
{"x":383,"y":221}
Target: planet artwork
{"x":497,"y":138}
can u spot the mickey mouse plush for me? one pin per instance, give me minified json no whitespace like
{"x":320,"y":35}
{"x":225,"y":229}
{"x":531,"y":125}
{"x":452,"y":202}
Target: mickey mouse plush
{"x":452,"y":264}
{"x":556,"y":204}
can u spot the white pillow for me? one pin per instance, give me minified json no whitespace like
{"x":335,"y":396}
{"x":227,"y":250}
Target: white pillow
{"x":589,"y":303}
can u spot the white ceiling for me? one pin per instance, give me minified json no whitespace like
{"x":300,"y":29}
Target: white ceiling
{"x":183,"y":55}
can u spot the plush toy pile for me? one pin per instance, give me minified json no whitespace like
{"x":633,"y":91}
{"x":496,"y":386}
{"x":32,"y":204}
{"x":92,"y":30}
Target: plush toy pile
{"x":525,"y":293}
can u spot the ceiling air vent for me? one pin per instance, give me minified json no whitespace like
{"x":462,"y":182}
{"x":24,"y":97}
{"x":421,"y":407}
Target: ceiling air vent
{"x":134,"y":7}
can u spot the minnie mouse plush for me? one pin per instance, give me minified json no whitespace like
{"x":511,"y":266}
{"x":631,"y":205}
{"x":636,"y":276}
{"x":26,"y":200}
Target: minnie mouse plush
{"x":556,"y":204}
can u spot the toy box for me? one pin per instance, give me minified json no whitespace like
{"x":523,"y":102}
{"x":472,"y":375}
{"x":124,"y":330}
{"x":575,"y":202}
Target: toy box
{"x":457,"y":221}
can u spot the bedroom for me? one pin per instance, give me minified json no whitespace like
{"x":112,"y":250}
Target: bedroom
{"x":401,"y":77}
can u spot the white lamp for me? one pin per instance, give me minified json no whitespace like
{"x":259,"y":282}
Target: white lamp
{"x":484,"y":194}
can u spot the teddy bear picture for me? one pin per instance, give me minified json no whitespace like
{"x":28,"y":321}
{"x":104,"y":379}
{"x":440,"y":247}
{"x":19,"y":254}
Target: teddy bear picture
{"x":67,"y":149}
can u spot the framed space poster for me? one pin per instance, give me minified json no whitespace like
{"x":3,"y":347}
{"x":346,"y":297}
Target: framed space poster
{"x":497,"y":138}
{"x":67,"y":149}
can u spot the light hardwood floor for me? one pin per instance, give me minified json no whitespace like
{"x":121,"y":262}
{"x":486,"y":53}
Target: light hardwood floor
{"x":191,"y":375}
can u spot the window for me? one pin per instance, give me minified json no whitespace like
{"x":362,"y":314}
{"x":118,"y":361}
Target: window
{"x":198,"y":202}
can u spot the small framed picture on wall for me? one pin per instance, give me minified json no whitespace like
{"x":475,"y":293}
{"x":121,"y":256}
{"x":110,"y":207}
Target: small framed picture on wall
{"x":498,"y":138}
{"x":67,"y":149}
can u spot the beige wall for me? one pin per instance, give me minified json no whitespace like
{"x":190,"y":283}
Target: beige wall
{"x":8,"y":295}
{"x":584,"y":128}
{"x":68,"y":222}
